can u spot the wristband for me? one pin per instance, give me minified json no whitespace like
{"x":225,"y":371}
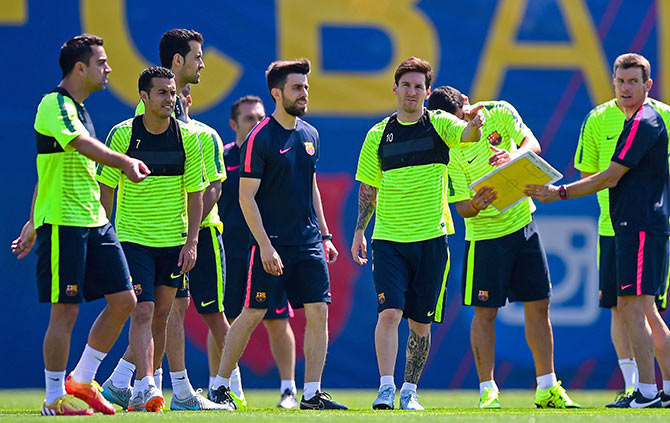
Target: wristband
{"x":472,"y":204}
{"x":328,"y":237}
{"x":563,"y":192}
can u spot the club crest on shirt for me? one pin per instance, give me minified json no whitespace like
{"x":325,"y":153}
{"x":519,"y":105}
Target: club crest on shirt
{"x":494,"y":138}
{"x":138,"y":289}
{"x":309,"y":148}
{"x":483,"y":295}
{"x":261,"y":297}
{"x":71,"y":290}
{"x":381,"y":298}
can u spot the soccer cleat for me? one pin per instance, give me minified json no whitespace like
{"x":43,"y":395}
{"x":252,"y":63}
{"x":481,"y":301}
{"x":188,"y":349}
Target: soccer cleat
{"x":489,"y":399}
{"x":150,"y":400}
{"x":240,"y":401}
{"x":665,"y":399}
{"x":409,"y":400}
{"x":195,"y":402}
{"x":640,"y":401}
{"x":90,"y":393}
{"x":321,"y":401}
{"x":288,"y":400}
{"x":385,"y":398}
{"x":622,"y":399}
{"x":65,"y":405}
{"x":223,"y":396}
{"x":118,"y":396}
{"x":554,"y":397}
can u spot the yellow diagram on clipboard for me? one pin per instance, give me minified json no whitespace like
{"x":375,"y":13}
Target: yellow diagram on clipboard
{"x":510,"y":179}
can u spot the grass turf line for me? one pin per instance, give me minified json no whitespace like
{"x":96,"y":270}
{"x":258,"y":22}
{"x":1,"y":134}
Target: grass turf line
{"x":442,"y":406}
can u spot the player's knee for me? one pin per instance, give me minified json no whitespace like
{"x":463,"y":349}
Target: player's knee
{"x":143,"y":314}
{"x":421,"y":329}
{"x":486,"y":315}
{"x":122,"y":303}
{"x":390,"y":317}
{"x":63,"y":316}
{"x":316,"y":312}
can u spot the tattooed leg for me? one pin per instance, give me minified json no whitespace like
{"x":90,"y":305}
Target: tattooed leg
{"x":418,"y":347}
{"x":483,"y":340}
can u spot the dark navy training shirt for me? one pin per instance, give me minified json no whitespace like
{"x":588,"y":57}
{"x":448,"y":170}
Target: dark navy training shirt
{"x":236,"y":234}
{"x":639,"y":202}
{"x":285,"y":162}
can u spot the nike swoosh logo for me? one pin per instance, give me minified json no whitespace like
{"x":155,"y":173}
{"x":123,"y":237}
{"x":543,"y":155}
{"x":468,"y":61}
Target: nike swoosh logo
{"x":280,"y":310}
{"x":473,"y":159}
{"x":181,"y":378}
{"x":612,"y":137}
{"x":430,"y":313}
{"x":54,"y":379}
{"x":205,"y":304}
{"x":173,"y":276}
{"x":284,"y":151}
{"x":626,"y":286}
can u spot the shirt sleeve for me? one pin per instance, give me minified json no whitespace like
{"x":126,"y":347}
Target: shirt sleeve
{"x":517,"y":129}
{"x":117,"y":140}
{"x":457,"y":184}
{"x":635,"y":140}
{"x":57,"y":117}
{"x":194,"y":169}
{"x":212,"y":154}
{"x":448,"y":126}
{"x":369,"y":169}
{"x":252,"y":155}
{"x":586,"y":156}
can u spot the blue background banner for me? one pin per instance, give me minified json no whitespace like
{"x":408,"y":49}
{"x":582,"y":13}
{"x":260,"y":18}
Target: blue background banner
{"x":551,"y":59}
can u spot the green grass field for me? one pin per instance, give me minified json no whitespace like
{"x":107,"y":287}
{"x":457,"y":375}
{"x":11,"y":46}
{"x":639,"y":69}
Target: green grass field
{"x":443,"y":406}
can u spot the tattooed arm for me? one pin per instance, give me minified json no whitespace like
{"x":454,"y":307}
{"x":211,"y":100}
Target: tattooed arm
{"x":418,"y":348}
{"x":367,"y":202}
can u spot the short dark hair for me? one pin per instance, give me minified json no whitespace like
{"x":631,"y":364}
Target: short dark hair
{"x":77,"y":49}
{"x":446,"y":98}
{"x":148,"y":74}
{"x":176,"y":41}
{"x":278,"y":71}
{"x":633,"y":60}
{"x":414,"y":64}
{"x":247,"y":99}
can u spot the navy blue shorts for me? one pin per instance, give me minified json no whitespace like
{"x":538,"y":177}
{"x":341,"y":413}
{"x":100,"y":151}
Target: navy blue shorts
{"x":511,"y":267}
{"x":75,"y":263}
{"x":607,"y":276}
{"x":206,"y":280}
{"x":236,"y":283}
{"x":151,"y":266}
{"x":305,"y":279}
{"x":412,"y":277}
{"x":641,"y":263}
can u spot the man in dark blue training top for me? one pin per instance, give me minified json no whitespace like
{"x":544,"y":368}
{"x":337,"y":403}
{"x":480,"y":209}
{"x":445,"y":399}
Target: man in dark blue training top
{"x":281,"y":204}
{"x":637,"y":178}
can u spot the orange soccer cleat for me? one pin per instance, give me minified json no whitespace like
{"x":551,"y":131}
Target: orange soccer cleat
{"x":91,"y":393}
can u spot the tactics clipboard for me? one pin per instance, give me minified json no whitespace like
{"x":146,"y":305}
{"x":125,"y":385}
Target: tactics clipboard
{"x":510,"y":179}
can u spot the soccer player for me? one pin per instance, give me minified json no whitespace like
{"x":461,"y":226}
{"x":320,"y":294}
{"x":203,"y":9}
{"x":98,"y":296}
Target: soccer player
{"x":281,"y":204}
{"x":158,"y":222}
{"x":597,"y":142}
{"x":245,"y":113}
{"x":402,"y":169}
{"x":637,"y":178}
{"x":180,"y":50}
{"x":78,"y":253}
{"x":504,"y":256}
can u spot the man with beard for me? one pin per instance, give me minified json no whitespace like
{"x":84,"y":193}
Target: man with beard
{"x":404,"y":160}
{"x":281,"y":204}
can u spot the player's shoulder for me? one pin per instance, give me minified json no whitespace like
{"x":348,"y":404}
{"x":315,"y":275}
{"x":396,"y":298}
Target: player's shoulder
{"x":377,"y":130}
{"x":603,"y":110}
{"x":125,"y":124}
{"x":229,"y":147}
{"x":307,"y":127}
{"x":649,"y":115}
{"x":55,"y":102}
{"x":661,"y":107}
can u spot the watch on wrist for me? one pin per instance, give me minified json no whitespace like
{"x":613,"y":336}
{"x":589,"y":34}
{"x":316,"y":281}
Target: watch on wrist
{"x":563,"y":192}
{"x":327,"y":237}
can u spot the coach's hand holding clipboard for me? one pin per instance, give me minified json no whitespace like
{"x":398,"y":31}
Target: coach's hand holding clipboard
{"x":510,"y":179}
